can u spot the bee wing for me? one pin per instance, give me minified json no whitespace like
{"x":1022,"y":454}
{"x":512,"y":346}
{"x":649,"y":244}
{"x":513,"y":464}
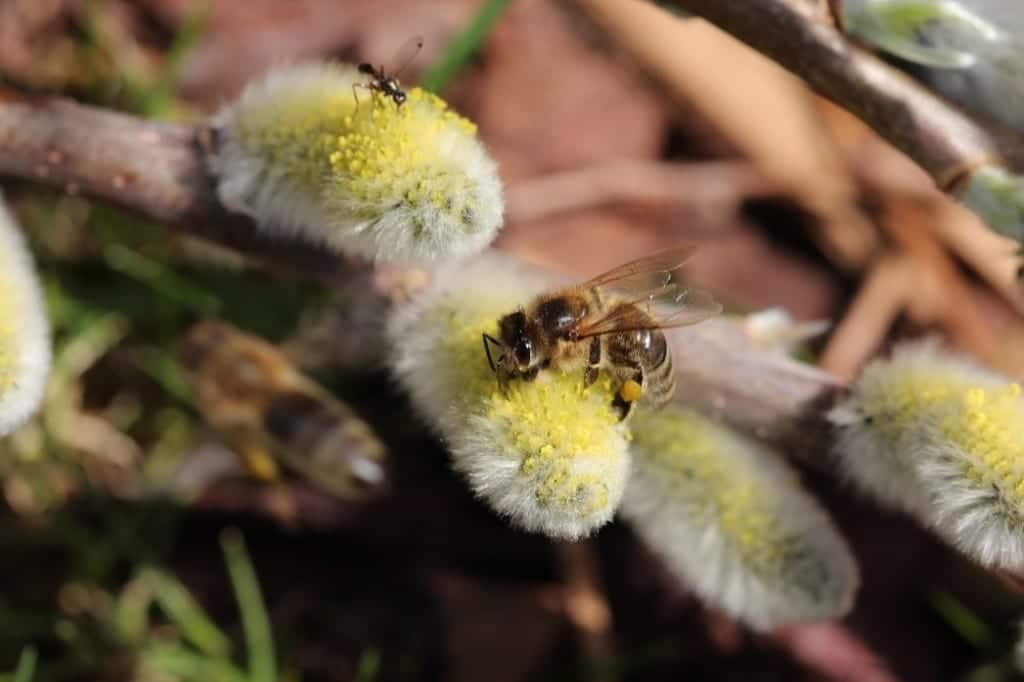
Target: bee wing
{"x":644,"y":277}
{"x":406,"y":53}
{"x":673,"y":305}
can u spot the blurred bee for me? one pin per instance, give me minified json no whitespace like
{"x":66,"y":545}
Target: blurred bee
{"x":611,"y":322}
{"x":385,"y":83}
{"x":250,"y":393}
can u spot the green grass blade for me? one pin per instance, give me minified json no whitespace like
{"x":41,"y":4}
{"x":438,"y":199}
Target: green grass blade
{"x":186,"y":613}
{"x":26,"y":669}
{"x":369,"y":666}
{"x":160,"y":279}
{"x":255,"y":623}
{"x":179,"y":663}
{"x":131,"y":611}
{"x":463,"y":46}
{"x":965,"y":622}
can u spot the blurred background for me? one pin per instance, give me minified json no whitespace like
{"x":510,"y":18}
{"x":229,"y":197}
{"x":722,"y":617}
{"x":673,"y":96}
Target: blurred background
{"x":619,"y":128}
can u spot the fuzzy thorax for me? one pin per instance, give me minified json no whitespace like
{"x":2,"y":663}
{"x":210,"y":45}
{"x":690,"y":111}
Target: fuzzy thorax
{"x":954,"y":433}
{"x":303,"y":152}
{"x":549,"y":454}
{"x":734,"y":522}
{"x":24,"y":330}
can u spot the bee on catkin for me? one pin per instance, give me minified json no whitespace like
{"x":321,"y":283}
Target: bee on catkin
{"x":250,"y":393}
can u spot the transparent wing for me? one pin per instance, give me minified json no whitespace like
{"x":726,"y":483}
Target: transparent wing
{"x":406,"y":53}
{"x":674,"y":305}
{"x":646,"y":277}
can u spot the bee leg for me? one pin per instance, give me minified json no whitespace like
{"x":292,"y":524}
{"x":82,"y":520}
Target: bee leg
{"x":256,"y":458}
{"x":629,"y":393}
{"x":593,"y":362}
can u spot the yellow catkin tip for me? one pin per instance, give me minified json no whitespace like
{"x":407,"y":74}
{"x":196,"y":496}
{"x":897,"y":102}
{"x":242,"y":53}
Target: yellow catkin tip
{"x":630,"y":391}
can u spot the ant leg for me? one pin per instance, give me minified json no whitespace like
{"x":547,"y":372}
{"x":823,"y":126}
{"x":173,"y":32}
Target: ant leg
{"x":363,"y":86}
{"x":593,"y":362}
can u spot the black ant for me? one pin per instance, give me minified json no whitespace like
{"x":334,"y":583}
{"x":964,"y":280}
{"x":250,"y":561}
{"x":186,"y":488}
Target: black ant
{"x":385,"y":83}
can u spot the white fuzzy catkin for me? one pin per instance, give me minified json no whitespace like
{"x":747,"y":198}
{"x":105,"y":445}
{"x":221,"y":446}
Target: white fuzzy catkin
{"x":305,"y":155}
{"x":933,"y":433}
{"x":24,"y":329}
{"x":550,"y":455}
{"x":734,"y":522}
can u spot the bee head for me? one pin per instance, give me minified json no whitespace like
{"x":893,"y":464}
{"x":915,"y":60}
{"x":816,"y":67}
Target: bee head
{"x":514,"y":352}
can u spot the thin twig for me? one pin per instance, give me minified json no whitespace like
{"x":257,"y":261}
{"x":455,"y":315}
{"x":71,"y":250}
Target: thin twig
{"x":941,"y":293}
{"x":936,"y":135}
{"x":154,"y":168}
{"x":886,"y":291}
{"x":585,"y":603}
{"x":713,"y":182}
{"x":763,"y":111}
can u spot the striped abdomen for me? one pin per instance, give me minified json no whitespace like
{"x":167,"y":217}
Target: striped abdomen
{"x":643,"y":352}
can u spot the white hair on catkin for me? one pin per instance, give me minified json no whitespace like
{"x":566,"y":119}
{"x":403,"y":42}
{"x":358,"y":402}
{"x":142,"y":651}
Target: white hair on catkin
{"x":24,"y":329}
{"x":934,"y":433}
{"x":304,"y":157}
{"x":732,"y":520}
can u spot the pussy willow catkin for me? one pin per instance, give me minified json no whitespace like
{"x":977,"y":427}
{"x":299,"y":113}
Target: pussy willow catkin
{"x":24,"y":329}
{"x":934,"y":433}
{"x":550,"y":454}
{"x":734,"y":522}
{"x":309,"y":151}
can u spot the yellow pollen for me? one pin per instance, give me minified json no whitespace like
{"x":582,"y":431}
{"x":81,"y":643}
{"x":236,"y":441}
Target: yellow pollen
{"x":630,"y":391}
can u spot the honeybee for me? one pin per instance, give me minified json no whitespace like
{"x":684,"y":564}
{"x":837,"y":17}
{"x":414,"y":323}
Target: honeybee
{"x":385,"y":83}
{"x":610,"y":322}
{"x":268,"y":411}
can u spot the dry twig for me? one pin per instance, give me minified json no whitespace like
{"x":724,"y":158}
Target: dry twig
{"x":709,"y":183}
{"x":154,"y":168}
{"x":936,"y":135}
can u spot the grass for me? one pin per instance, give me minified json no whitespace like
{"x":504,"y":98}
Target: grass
{"x":461,"y":49}
{"x":255,"y":623}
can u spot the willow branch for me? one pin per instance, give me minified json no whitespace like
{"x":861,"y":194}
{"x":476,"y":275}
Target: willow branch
{"x":156,"y":169}
{"x":707,"y":183}
{"x":936,"y":135}
{"x":723,"y":373}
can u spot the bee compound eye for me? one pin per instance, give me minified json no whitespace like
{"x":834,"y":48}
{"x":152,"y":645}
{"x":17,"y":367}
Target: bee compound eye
{"x":524,"y":352}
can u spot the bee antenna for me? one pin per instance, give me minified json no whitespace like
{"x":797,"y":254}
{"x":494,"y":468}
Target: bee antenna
{"x":488,"y":340}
